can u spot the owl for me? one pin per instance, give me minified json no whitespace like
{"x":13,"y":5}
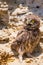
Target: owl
{"x":27,"y":38}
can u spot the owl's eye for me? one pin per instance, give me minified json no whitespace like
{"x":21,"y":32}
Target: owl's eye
{"x":32,"y":21}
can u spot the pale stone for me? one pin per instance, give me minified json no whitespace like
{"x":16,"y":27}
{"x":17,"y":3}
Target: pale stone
{"x":4,"y":14}
{"x":20,"y":10}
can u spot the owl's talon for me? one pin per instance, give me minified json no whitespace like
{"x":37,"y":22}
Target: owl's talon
{"x":20,"y":58}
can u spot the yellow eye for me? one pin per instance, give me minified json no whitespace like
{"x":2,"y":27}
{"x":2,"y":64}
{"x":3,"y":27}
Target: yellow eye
{"x":33,"y":21}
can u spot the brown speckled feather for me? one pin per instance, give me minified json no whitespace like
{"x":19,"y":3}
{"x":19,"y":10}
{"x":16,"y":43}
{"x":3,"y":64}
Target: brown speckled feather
{"x":28,"y":38}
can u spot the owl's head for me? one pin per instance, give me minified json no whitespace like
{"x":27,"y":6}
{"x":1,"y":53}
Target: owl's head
{"x":32,"y":22}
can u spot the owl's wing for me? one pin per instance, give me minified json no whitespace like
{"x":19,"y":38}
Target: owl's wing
{"x":20,"y":32}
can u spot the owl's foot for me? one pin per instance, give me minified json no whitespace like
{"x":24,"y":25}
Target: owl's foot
{"x":20,"y":58}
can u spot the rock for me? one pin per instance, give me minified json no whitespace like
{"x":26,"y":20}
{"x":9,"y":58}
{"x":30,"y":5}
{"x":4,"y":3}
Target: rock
{"x":18,"y":16}
{"x":14,"y":18}
{"x":16,"y":22}
{"x":41,"y":30}
{"x":3,"y":37}
{"x":20,"y":10}
{"x":4,"y":17}
{"x":28,"y":60}
{"x":34,"y":3}
{"x":3,"y":55}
